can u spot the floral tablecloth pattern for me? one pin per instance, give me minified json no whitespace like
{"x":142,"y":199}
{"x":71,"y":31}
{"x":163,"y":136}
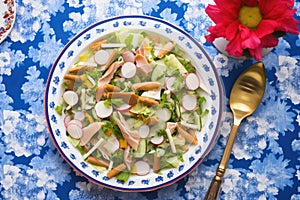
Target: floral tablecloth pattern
{"x":265,"y":163}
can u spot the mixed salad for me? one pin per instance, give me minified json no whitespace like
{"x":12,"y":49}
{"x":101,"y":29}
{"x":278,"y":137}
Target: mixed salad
{"x":132,"y":104}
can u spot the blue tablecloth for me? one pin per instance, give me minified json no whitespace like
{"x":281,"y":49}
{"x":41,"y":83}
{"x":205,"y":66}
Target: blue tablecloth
{"x":265,"y":159}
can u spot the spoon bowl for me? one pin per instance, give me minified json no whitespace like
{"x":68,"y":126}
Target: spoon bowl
{"x":248,"y":91}
{"x":245,"y":97}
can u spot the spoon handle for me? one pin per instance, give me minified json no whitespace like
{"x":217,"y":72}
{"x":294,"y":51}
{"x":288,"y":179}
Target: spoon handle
{"x":215,"y":184}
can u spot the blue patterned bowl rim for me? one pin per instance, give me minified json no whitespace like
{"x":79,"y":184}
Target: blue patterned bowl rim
{"x":199,"y":58}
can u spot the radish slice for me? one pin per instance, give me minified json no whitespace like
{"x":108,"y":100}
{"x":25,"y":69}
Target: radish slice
{"x":67,"y":118}
{"x":71,"y":98}
{"x":74,"y":130}
{"x":102,"y":111}
{"x":189,"y":101}
{"x":170,"y":82}
{"x":124,"y":107}
{"x":101,"y":57}
{"x":75,"y":121}
{"x":112,"y":144}
{"x":142,"y":168}
{"x":144,"y":131}
{"x":128,"y":70}
{"x":164,"y":114}
{"x":157,"y":140}
{"x":79,"y":116}
{"x":128,"y":56}
{"x":192,"y":81}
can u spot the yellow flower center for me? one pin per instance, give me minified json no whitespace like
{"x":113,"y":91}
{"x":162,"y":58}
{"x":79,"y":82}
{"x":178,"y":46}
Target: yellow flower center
{"x":250,"y":16}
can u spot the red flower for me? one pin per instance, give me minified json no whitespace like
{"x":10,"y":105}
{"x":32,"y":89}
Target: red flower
{"x":251,"y":25}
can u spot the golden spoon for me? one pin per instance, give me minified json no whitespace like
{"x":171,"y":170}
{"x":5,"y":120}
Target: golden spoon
{"x":245,"y":96}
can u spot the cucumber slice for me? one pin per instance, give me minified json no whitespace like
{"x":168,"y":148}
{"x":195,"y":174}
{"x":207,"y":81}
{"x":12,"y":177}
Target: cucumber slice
{"x":158,"y":74}
{"x":142,"y":148}
{"x":174,"y":161}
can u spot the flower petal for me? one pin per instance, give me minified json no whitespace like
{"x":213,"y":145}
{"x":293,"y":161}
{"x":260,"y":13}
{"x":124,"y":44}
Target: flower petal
{"x":232,"y":5}
{"x":214,"y":13}
{"x":224,"y":10}
{"x":275,"y":7}
{"x":220,"y":15}
{"x":249,"y":38}
{"x":234,"y":47}
{"x":282,"y":12}
{"x":215,"y":32}
{"x":232,"y":30}
{"x":266,"y":27}
{"x":256,"y":53}
{"x":290,"y":27}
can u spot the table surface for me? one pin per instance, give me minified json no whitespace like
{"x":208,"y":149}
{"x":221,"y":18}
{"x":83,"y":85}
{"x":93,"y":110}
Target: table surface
{"x":265,"y":159}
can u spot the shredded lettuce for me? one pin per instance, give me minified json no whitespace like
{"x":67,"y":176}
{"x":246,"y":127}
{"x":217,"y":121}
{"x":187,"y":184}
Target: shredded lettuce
{"x":117,"y":158}
{"x":123,"y":176}
{"x":74,"y":142}
{"x":99,"y":168}
{"x":111,"y":125}
{"x":187,"y":64}
{"x":172,"y":62}
{"x":132,"y":39}
{"x":107,"y":103}
{"x":59,"y":108}
{"x":128,"y":41}
{"x":141,"y":109}
{"x":117,"y":102}
{"x":178,"y":83}
{"x":202,"y":113}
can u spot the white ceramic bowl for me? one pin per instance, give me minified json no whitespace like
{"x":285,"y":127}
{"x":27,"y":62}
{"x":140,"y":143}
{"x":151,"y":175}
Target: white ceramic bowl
{"x":199,"y":58}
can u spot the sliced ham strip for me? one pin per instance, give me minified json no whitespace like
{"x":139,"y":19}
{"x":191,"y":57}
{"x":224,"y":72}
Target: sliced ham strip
{"x":98,"y":162}
{"x":143,"y":67}
{"x":112,"y":57}
{"x":127,"y":157}
{"x":152,"y":120}
{"x":132,"y":137}
{"x":128,"y":97}
{"x":89,"y":131}
{"x":190,"y":138}
{"x":106,"y":78}
{"x":111,"y":88}
{"x":145,"y":86}
{"x":128,"y":56}
{"x":166,"y":49}
{"x":148,"y":101}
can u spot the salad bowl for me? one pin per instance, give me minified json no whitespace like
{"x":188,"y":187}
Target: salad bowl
{"x":211,"y":90}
